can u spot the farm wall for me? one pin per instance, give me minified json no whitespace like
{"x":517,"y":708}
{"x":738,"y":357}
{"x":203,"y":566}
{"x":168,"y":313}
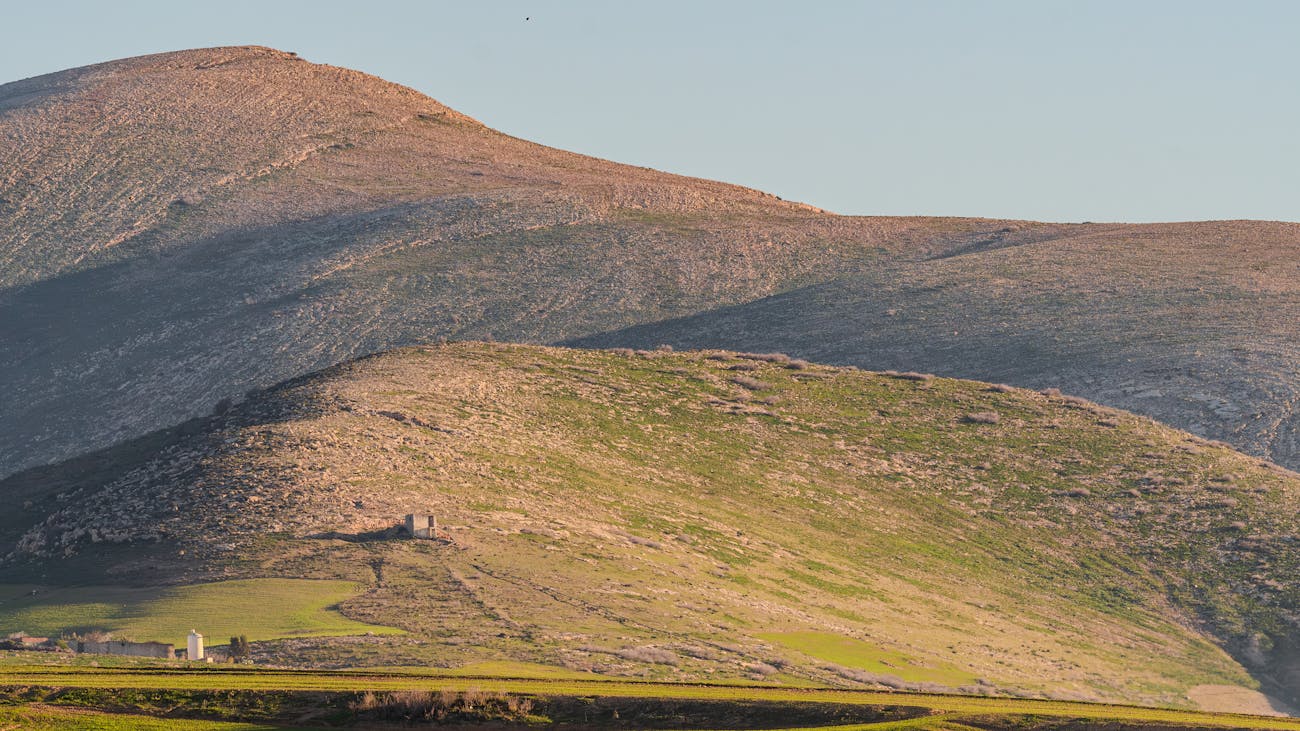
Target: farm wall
{"x":122,"y":647}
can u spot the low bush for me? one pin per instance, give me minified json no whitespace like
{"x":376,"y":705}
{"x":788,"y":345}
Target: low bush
{"x":419,"y":706}
{"x":655,"y":655}
{"x":766,"y":357}
{"x":912,"y":376}
{"x":751,"y":384}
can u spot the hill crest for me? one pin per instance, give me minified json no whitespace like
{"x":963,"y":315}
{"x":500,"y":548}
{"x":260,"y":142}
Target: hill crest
{"x":181,"y":228}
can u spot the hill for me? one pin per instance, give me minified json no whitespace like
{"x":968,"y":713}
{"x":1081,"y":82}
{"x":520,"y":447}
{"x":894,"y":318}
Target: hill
{"x":178,"y":229}
{"x":700,"y":515}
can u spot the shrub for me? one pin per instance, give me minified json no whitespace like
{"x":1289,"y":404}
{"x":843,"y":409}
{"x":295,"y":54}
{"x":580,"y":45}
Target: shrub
{"x":982,"y":417}
{"x":700,"y":652}
{"x":766,"y":357}
{"x":239,"y":648}
{"x":1078,"y":492}
{"x":417,"y":706}
{"x":639,"y":541}
{"x":913,"y":376}
{"x":649,"y":654}
{"x":752,"y":384}
{"x":1001,"y":388}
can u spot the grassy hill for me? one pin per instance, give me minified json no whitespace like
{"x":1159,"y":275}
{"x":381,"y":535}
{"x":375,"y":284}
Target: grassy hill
{"x":706,"y":515}
{"x":181,"y":228}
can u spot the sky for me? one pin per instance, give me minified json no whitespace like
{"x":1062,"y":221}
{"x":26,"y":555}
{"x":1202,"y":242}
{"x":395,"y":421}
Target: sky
{"x":1140,"y":110}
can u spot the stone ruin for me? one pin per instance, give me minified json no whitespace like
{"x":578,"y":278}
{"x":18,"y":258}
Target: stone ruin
{"x":422,"y":526}
{"x":130,"y":649}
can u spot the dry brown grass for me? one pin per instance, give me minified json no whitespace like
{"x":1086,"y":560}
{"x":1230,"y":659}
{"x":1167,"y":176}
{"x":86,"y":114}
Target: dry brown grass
{"x":750,"y":384}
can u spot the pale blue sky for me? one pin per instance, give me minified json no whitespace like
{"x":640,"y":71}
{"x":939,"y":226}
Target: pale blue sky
{"x":1071,"y":111}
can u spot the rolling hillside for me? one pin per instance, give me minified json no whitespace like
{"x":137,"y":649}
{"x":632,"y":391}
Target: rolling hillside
{"x":701,"y":515}
{"x":178,"y":229}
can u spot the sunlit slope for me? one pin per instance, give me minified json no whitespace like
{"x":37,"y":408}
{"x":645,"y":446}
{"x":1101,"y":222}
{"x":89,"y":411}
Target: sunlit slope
{"x":181,"y":228}
{"x":709,"y":514}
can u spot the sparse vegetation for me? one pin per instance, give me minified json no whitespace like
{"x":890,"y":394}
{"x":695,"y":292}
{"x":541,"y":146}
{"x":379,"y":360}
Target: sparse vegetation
{"x":446,"y":706}
{"x":597,"y":501}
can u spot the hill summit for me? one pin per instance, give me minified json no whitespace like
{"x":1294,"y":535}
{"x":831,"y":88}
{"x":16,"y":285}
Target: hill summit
{"x":178,"y":229}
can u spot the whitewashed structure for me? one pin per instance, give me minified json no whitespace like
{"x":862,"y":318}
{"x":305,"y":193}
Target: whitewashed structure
{"x":194,"y":648}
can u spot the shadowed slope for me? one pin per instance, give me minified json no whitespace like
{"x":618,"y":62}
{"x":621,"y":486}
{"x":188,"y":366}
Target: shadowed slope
{"x":1196,"y":324}
{"x":178,"y":229}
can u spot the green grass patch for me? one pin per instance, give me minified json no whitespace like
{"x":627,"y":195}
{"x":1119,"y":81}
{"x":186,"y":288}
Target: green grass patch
{"x":854,"y":653}
{"x":261,"y":609}
{"x":41,"y":718}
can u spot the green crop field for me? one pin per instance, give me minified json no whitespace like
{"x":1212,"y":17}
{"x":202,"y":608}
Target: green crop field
{"x":41,"y":718}
{"x":942,"y":711}
{"x":261,"y":609}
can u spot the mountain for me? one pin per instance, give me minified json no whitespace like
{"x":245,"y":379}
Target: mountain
{"x":1195,"y":324}
{"x":179,"y":229}
{"x":701,"y":515}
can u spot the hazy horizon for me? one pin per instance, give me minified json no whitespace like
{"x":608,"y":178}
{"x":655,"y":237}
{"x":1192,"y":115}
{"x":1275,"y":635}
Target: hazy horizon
{"x":1108,"y":111}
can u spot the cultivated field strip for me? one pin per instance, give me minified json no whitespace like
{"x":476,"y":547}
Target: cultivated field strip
{"x":341,"y":681}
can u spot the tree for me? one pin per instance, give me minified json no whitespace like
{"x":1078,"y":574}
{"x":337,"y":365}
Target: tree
{"x":239,"y":647}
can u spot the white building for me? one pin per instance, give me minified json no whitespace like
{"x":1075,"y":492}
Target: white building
{"x":195,"y":646}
